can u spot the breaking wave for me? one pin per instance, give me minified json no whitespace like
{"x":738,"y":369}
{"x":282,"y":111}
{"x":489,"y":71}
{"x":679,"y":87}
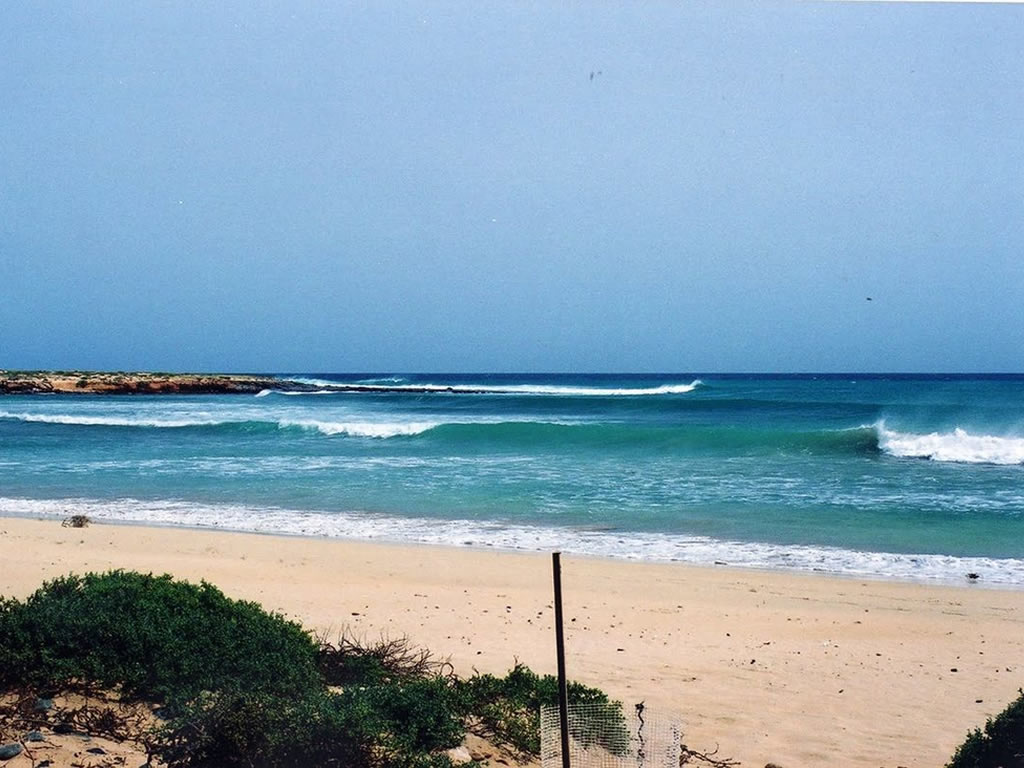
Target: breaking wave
{"x":469,"y":432}
{"x":108,"y":421}
{"x":956,"y":446}
{"x":555,"y":390}
{"x":352,"y":429}
{"x":362,"y":428}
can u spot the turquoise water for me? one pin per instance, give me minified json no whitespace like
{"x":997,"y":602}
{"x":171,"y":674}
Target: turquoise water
{"x":918,"y":477}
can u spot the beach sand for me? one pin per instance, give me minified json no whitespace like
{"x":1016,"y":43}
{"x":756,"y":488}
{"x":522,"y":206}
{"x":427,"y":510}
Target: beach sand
{"x":799,"y":670}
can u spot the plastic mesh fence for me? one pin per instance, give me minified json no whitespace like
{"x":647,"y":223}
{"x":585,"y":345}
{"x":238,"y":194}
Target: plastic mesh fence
{"x":609,"y":736}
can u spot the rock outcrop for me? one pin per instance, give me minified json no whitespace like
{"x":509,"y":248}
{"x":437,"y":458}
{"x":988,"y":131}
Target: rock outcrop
{"x":121,"y":383}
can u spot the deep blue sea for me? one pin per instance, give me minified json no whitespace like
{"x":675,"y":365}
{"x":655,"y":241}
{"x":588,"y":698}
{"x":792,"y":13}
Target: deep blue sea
{"x":907,"y":477}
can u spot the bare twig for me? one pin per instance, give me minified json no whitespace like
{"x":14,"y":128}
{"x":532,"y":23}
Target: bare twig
{"x":343,"y":661}
{"x":694,"y":756}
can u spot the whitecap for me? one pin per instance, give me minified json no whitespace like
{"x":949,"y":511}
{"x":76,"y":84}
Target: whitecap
{"x":106,"y":421}
{"x":956,"y":446}
{"x":505,"y":389}
{"x":362,"y":428}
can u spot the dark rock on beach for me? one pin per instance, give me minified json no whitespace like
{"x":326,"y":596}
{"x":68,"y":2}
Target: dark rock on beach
{"x":7,"y":751}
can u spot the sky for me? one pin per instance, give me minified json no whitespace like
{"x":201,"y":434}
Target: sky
{"x":512,"y":186}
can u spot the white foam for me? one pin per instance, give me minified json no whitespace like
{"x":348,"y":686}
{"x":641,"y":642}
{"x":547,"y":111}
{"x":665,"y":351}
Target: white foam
{"x":108,"y":421}
{"x":363,"y":428}
{"x":312,"y":382}
{"x":529,"y":389}
{"x":499,"y":389}
{"x":699,"y":550}
{"x":384,"y":380}
{"x":956,"y":446}
{"x":300,"y":392}
{"x":354,"y":428}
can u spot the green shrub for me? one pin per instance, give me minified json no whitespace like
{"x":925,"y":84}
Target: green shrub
{"x":1000,"y":746}
{"x":259,"y":729}
{"x":243,"y":687}
{"x":381,"y":727}
{"x":154,"y":637}
{"x":421,"y":715}
{"x":507,"y":710}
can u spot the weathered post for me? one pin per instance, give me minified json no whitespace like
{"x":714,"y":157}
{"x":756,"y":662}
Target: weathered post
{"x":563,"y":693}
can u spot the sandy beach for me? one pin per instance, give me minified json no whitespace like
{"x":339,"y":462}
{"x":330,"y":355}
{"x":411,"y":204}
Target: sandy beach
{"x":799,"y":670}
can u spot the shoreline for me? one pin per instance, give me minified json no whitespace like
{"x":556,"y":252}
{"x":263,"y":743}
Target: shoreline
{"x":620,"y":546}
{"x":792,"y":668}
{"x":509,"y":550}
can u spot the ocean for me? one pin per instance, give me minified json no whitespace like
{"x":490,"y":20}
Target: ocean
{"x":891,"y":476}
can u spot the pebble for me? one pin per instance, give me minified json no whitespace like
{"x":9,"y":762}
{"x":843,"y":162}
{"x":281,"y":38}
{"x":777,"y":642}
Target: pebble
{"x":7,"y":751}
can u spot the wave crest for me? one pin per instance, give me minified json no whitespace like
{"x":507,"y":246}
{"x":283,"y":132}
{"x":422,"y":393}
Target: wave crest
{"x":556,"y":390}
{"x":108,"y":421}
{"x":362,"y":428}
{"x":330,"y":428}
{"x":957,"y":446}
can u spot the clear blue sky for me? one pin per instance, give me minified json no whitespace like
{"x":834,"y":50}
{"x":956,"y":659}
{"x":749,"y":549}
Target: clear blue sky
{"x":443,"y":186}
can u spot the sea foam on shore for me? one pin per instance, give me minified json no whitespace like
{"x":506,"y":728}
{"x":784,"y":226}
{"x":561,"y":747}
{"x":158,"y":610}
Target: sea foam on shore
{"x":652,"y":547}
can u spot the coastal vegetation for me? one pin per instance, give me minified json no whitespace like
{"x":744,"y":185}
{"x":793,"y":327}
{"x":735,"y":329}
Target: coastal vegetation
{"x":199,"y":679}
{"x":195,"y":679}
{"x":1000,"y":745}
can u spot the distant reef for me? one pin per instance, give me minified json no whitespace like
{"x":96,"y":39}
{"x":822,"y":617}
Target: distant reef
{"x":124,"y":383}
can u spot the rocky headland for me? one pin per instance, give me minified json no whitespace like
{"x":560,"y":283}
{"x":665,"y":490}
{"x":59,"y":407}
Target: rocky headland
{"x":126,"y":383}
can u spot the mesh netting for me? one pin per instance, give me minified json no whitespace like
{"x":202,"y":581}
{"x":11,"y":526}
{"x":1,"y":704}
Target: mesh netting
{"x":607,"y":736}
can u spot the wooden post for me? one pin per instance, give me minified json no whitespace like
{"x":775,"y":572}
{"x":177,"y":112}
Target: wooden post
{"x":563,"y":693}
